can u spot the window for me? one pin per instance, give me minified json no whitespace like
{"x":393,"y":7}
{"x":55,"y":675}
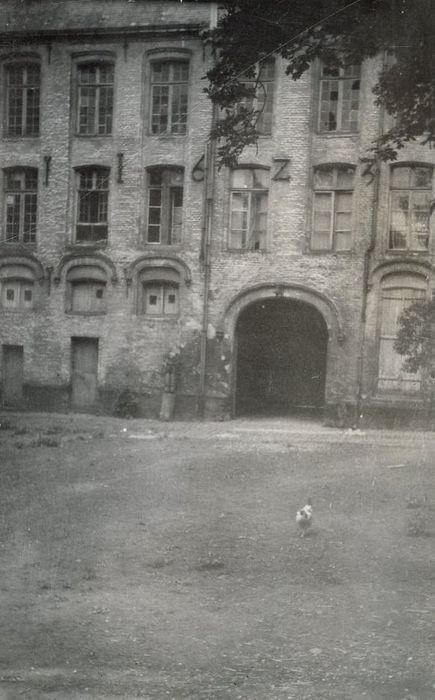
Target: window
{"x":95,"y":99}
{"x":332,"y":208}
{"x":88,"y":296}
{"x":262,"y":103}
{"x":159,"y":292}
{"x":22,"y":99}
{"x":160,"y":299}
{"x":398,"y":292}
{"x":165,"y":205}
{"x":92,"y":204}
{"x":411,"y":194}
{"x":169,"y":89}
{"x":86,"y":289}
{"x":249,"y":198}
{"x":339,"y":98}
{"x":16,"y":294}
{"x":21,"y":187}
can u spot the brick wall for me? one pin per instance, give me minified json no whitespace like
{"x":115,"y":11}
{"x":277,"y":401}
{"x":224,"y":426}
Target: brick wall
{"x":132,"y":346}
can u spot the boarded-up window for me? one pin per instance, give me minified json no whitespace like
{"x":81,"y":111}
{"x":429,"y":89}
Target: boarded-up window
{"x":159,"y":292}
{"x":398,"y":292}
{"x":88,"y":296}
{"x":16,"y":294}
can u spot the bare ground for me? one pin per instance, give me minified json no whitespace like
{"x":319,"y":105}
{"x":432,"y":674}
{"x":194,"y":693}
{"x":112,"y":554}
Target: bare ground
{"x":147,"y":562}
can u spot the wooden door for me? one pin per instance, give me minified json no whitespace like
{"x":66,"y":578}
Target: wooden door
{"x":13,"y":372}
{"x":84,"y":372}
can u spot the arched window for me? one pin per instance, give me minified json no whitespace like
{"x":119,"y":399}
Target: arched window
{"x":398,"y":291}
{"x":86,"y":290}
{"x":17,"y":287}
{"x":339,"y":98}
{"x":159,"y":292}
{"x":92,"y":204}
{"x":165,"y":204}
{"x":22,"y":98}
{"x":410,"y":197}
{"x":95,"y":83}
{"x":20,"y":194}
{"x":332,"y":208}
{"x":248,"y":208}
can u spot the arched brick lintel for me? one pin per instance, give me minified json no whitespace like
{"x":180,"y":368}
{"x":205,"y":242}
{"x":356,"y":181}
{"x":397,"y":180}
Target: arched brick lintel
{"x":296,"y":292}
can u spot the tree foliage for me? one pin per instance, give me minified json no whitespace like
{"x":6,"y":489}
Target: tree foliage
{"x":415,"y":339}
{"x":336,"y":32}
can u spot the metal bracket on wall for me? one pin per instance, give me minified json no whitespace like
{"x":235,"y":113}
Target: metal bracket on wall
{"x":47,"y":161}
{"x":120,"y":157}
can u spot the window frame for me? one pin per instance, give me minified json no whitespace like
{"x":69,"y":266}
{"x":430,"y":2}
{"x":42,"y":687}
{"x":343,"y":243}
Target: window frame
{"x":171,"y":83}
{"x":252,"y":212}
{"x":342,"y":81}
{"x":267,"y":85}
{"x":97,"y":62}
{"x":169,"y":190}
{"x":333,"y":191}
{"x":390,"y":285}
{"x":27,"y":200}
{"x":22,"y":283}
{"x":411,"y":191}
{"x":94,"y":171}
{"x":26,"y":120}
{"x":166,"y":280}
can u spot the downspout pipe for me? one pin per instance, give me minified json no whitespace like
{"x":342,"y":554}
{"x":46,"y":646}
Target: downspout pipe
{"x":366,"y":271}
{"x":206,"y":233}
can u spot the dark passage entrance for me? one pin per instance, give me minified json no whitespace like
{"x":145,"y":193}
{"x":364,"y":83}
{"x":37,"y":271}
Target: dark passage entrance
{"x":281,"y":358}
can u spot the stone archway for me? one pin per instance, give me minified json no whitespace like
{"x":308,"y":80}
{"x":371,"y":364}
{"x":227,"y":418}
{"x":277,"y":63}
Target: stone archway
{"x":280,"y":334}
{"x":281,"y":358}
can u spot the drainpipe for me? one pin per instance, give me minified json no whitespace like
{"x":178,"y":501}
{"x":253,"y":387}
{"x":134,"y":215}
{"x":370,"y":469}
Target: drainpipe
{"x":207,"y":225}
{"x":366,"y":271}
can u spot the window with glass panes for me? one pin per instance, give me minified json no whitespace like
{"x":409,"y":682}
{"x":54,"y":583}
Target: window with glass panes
{"x":169,"y":93}
{"x":410,"y":198}
{"x":21,"y":195}
{"x":262,"y":103}
{"x":248,"y":208}
{"x":339,"y":98}
{"x":95,"y":99}
{"x":332,"y":208}
{"x":165,"y":205}
{"x":22,"y":99}
{"x":16,"y":294}
{"x":92,"y":205}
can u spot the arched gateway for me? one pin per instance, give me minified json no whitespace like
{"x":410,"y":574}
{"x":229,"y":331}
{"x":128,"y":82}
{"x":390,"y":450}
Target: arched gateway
{"x":280,"y":349}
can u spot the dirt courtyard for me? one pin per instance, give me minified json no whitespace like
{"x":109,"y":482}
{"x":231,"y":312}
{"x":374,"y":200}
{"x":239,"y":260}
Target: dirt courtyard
{"x":153,"y":561}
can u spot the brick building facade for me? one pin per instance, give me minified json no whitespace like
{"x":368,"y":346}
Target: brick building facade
{"x":129,"y":263}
